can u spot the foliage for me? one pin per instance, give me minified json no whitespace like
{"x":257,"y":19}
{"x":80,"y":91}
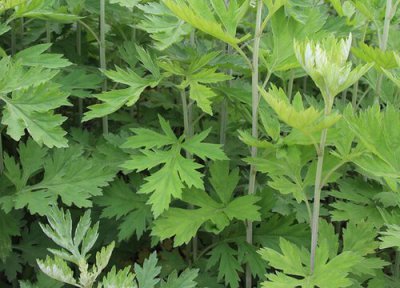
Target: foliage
{"x":222,"y":143}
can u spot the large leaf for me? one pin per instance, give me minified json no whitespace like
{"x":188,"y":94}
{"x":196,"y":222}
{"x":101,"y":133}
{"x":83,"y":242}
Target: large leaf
{"x":175,"y":170}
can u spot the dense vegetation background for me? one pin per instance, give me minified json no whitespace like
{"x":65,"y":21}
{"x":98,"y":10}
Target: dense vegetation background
{"x":188,"y":143}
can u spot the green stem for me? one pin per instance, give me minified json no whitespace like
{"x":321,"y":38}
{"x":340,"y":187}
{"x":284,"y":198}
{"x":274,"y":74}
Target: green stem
{"x":224,"y":110}
{"x":254,"y":128}
{"x":396,"y":268}
{"x":90,"y":30}
{"x":317,"y":199}
{"x":224,"y":104}
{"x":13,"y":38}
{"x":355,"y":95}
{"x":383,"y":44}
{"x":386,"y":25}
{"x":1,"y":153}
{"x":317,"y":191}
{"x":290,"y":85}
{"x":103,"y":64}
{"x":79,"y":52}
{"x":48,"y":33}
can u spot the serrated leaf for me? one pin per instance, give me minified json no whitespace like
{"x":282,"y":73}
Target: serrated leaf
{"x":305,"y":120}
{"x":294,"y":261}
{"x":381,"y":59}
{"x":9,"y":226}
{"x":187,"y":11}
{"x":162,"y":25}
{"x":61,"y":178}
{"x":32,"y":109}
{"x":119,"y":201}
{"x":175,"y":171}
{"x":121,"y":278}
{"x":184,"y":280}
{"x":115,"y":99}
{"x":147,"y":276}
{"x":224,"y":257}
{"x":126,"y":3}
{"x":202,"y":95}
{"x":35,"y":56}
{"x":58,"y":269}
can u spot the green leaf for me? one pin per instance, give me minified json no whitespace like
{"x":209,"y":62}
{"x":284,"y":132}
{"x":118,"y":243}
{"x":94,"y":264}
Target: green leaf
{"x":60,"y":178}
{"x":35,"y":56}
{"x":354,"y":202}
{"x":119,"y":201}
{"x":225,"y":258}
{"x":223,"y":181}
{"x":202,"y":95}
{"x":204,"y":21}
{"x":121,"y":278}
{"x":380,"y":59}
{"x":307,"y":120}
{"x":78,"y":82}
{"x":196,"y":146}
{"x":115,"y":99}
{"x":147,"y":276}
{"x":181,"y":223}
{"x":217,"y":214}
{"x":184,"y":280}
{"x":162,"y":25}
{"x":102,"y":258}
{"x":390,"y":237}
{"x":10,"y":226}
{"x":175,"y":171}
{"x":32,"y":109}
{"x":293,"y":261}
{"x":375,"y":131}
{"x":284,"y":30}
{"x":58,"y":269}
{"x":126,"y":3}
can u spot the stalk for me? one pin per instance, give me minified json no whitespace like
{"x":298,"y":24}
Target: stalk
{"x":254,"y":131}
{"x":224,"y":110}
{"x":224,"y":105}
{"x":355,"y":95}
{"x":396,"y":268}
{"x":103,"y":64}
{"x":79,"y":52}
{"x":48,"y":34}
{"x":1,"y":152}
{"x":189,"y":130}
{"x":290,"y":85}
{"x":13,"y":38}
{"x":317,"y":194}
{"x":383,"y":44}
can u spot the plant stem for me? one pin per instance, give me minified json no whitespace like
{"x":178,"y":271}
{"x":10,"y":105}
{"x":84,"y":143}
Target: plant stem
{"x":188,"y":131}
{"x":79,"y":52}
{"x":224,"y":105}
{"x":103,"y":64}
{"x":254,"y":128}
{"x":224,"y":110}
{"x":1,"y":153}
{"x":383,"y":44}
{"x":48,"y":34}
{"x":396,"y":268}
{"x":317,"y":194}
{"x":90,"y":30}
{"x":290,"y":85}
{"x":355,"y":95}
{"x":386,"y":25}
{"x":13,"y":38}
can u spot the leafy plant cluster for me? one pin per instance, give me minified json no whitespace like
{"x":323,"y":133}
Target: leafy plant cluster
{"x":218,"y":143}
